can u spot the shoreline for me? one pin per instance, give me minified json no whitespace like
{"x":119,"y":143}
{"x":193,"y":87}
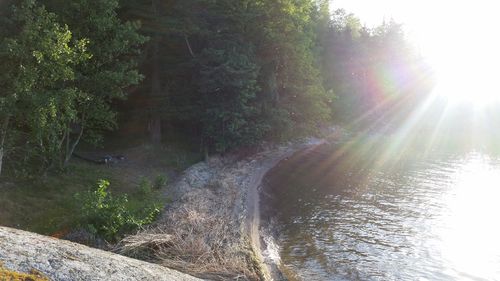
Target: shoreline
{"x":272,"y":270}
{"x":212,"y":228}
{"x":240,"y":181}
{"x":253,"y":202}
{"x":213,"y":224}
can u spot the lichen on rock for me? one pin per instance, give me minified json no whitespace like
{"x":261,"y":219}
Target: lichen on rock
{"x":60,"y":260}
{"x":9,"y":275}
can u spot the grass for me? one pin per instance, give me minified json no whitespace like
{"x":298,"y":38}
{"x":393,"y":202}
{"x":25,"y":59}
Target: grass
{"x":201,"y":236}
{"x":47,"y":205}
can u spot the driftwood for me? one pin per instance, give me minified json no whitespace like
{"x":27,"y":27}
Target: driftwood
{"x":107,"y":159}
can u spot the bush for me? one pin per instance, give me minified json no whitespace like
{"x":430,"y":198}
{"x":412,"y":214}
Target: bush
{"x":145,"y":187}
{"x":160,"y":181}
{"x":110,"y":217}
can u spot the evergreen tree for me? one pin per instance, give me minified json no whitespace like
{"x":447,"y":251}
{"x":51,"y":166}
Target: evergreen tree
{"x":227,"y":77}
{"x":294,"y":97}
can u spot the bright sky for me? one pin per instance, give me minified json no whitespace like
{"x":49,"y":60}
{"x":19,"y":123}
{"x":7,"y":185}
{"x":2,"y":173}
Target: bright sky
{"x":460,"y":38}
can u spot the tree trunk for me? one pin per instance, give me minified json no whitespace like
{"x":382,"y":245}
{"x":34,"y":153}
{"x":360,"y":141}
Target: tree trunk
{"x":3,"y":135}
{"x":1,"y":158}
{"x":154,"y":126}
{"x":71,"y":149}
{"x":189,"y":46}
{"x":206,"y":153}
{"x":155,"y":130}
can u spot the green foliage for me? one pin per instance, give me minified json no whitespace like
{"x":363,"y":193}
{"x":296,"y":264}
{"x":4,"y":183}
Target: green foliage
{"x":160,"y":181}
{"x":110,"y":217}
{"x":240,"y":71}
{"x":145,"y":187}
{"x":226,"y":73}
{"x":228,"y":87}
{"x":371,"y":70}
{"x":38,"y":59}
{"x":114,"y":46}
{"x":59,"y":72}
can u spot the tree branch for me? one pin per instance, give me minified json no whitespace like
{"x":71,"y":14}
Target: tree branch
{"x":73,"y":146}
{"x":3,"y":135}
{"x":189,"y":46}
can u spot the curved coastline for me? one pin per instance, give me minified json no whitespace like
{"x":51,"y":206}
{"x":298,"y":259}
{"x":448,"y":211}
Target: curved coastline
{"x":239,"y":184}
{"x":216,"y":209}
{"x":270,"y":268}
{"x":253,"y":202}
{"x":213,"y":220}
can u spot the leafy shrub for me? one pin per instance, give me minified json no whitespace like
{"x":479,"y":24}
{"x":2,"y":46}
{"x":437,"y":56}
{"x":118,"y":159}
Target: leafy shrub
{"x":145,"y":187}
{"x":110,"y":217}
{"x":160,"y":181}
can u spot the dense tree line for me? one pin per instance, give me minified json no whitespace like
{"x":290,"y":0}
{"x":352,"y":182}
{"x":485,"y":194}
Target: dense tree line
{"x":62,"y":63}
{"x":232,"y":71}
{"x":376,"y":74}
{"x":228,"y":73}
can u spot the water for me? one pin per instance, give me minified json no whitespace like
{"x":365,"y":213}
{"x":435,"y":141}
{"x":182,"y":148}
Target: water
{"x":344,"y":214}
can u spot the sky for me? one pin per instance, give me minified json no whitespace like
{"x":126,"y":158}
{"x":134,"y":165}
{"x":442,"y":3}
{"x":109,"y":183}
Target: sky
{"x":460,"y":38}
{"x":428,"y":21}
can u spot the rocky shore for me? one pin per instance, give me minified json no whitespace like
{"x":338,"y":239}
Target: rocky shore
{"x":210,"y":230}
{"x":213,"y":226}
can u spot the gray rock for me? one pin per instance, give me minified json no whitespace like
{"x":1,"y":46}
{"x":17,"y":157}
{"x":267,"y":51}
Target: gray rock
{"x":66,"y":261}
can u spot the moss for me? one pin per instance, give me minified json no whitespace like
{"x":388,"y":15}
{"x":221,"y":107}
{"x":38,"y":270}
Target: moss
{"x":33,"y":275}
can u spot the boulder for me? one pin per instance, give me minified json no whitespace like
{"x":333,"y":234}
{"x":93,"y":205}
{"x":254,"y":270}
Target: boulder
{"x":61,"y":260}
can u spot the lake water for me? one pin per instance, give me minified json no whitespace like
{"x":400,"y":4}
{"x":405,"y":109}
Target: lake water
{"x":344,"y":212}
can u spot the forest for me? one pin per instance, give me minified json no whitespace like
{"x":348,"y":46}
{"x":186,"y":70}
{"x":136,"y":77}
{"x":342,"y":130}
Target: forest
{"x":225,"y":74}
{"x":109,"y":107}
{"x":249,"y":140}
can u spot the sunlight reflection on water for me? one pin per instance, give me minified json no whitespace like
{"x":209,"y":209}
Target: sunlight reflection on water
{"x":470,"y":238}
{"x":433,"y":219}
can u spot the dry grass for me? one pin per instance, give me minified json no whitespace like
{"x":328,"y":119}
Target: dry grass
{"x":201,"y":236}
{"x":205,"y":233}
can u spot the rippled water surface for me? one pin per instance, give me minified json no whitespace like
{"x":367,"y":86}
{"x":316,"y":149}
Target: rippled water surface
{"x":342,"y":215}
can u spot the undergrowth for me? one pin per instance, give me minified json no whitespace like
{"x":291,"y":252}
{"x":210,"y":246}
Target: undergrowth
{"x":109,"y":216}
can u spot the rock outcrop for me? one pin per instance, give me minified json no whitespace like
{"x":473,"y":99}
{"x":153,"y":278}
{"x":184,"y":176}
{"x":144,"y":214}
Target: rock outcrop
{"x":61,"y":260}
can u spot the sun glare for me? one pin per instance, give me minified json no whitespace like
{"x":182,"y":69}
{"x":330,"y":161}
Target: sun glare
{"x":472,"y":213}
{"x":459,"y":41}
{"x":457,"y":37}
{"x":467,"y":69}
